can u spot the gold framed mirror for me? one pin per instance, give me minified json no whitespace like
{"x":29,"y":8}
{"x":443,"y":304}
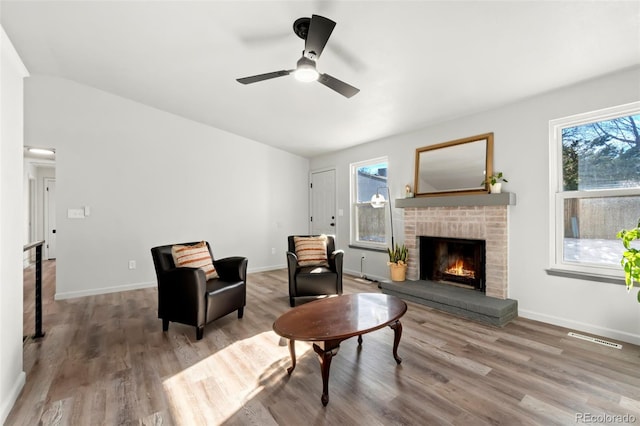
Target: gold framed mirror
{"x":454,"y":168}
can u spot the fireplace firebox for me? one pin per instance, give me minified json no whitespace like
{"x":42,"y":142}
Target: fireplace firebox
{"x":454,"y":261}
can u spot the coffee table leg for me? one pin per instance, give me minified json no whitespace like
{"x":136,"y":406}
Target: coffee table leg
{"x":292,"y":351}
{"x":360,"y":340}
{"x":397,"y":330}
{"x":325,"y":355}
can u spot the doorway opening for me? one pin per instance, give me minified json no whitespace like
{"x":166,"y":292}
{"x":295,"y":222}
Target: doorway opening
{"x":40,"y":222}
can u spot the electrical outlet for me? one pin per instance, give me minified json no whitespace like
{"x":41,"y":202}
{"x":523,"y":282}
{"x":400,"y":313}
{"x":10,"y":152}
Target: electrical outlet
{"x":132,"y":264}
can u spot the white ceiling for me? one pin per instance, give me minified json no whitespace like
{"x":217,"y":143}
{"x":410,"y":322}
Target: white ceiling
{"x":415,"y":62}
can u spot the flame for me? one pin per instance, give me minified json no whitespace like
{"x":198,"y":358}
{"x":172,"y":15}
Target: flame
{"x":458,"y":268}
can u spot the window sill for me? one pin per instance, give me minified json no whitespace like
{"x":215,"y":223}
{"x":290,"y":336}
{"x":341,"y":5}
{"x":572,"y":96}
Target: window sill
{"x":585,"y":276}
{"x":380,"y":250}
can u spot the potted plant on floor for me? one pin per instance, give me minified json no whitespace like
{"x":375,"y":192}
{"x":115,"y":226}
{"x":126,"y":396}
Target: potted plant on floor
{"x":630,"y":256}
{"x":495,"y":182}
{"x":398,"y":262}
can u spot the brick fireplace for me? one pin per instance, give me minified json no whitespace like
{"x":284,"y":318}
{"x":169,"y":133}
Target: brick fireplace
{"x":468,"y":217}
{"x":482,"y":217}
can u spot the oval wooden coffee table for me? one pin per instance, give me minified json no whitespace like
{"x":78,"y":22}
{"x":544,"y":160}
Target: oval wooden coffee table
{"x":327,"y":322}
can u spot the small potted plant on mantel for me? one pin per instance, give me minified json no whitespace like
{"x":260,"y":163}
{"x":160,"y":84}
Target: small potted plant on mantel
{"x":495,"y":182}
{"x":630,"y":256}
{"x":398,"y":262}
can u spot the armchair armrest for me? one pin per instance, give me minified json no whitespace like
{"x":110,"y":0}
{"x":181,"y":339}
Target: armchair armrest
{"x":335,"y":261}
{"x":292,"y":267}
{"x":232,"y":269}
{"x":190,"y":278}
{"x":292,"y":260}
{"x":182,"y":287}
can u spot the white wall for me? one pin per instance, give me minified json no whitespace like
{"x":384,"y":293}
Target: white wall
{"x":12,"y":72}
{"x":153,"y":178}
{"x":521,"y":152}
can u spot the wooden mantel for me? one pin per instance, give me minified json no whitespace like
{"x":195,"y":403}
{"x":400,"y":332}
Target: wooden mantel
{"x":502,"y":199}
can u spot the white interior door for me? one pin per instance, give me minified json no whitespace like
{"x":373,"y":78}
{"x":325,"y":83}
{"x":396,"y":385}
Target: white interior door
{"x":323,"y":202}
{"x":50,"y":217}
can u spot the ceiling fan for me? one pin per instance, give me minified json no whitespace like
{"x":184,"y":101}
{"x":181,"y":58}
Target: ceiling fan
{"x":315,"y":32}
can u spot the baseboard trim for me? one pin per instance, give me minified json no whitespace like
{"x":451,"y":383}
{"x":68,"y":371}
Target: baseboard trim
{"x":104,"y":290}
{"x":371,"y":277}
{"x":581,"y":326}
{"x":10,"y":399}
{"x":266,"y":268}
{"x":138,"y":286}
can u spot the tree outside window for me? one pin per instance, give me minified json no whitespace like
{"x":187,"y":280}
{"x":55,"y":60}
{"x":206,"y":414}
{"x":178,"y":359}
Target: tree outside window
{"x":598,"y":191}
{"x":602,"y":155}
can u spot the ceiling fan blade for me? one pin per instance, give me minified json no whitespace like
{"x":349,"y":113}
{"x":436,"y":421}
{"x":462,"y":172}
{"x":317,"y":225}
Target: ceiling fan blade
{"x":262,"y":77}
{"x":320,"y":30}
{"x":339,"y":86}
{"x":347,"y":56}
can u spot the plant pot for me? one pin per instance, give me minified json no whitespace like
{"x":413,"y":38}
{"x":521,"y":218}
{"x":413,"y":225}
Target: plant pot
{"x":398,"y":272}
{"x":496,"y":188}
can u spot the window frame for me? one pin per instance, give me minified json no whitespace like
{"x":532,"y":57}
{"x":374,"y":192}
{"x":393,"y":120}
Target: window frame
{"x":353,"y":201}
{"x":557,"y":195}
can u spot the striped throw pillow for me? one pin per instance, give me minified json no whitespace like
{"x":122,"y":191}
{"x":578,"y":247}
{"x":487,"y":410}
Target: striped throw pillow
{"x":311,"y":251}
{"x":195,"y":256}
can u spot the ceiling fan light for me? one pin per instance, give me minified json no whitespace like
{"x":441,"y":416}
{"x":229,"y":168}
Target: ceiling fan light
{"x":306,"y":70}
{"x":306,"y":75}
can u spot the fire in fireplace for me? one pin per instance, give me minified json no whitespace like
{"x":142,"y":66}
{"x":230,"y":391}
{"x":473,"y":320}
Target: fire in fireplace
{"x":453,"y":260}
{"x":460,"y":269}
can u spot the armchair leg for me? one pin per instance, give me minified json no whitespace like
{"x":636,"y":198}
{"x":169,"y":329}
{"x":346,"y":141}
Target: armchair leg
{"x":240,"y":312}
{"x":165,"y":324}
{"x":292,"y":302}
{"x":199,"y":332}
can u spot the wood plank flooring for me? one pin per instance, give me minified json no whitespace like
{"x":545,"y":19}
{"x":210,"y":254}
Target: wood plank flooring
{"x":105,"y":361}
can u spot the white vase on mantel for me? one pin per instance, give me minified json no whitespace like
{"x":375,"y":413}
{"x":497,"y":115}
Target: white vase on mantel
{"x":496,"y":188}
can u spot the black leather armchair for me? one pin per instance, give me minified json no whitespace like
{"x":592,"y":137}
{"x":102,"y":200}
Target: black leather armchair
{"x":307,"y":281}
{"x":185,"y":295}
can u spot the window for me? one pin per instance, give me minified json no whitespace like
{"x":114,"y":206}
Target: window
{"x":368,"y":225}
{"x":595,"y":188}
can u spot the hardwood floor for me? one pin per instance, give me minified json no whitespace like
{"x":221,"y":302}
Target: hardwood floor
{"x":105,"y":360}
